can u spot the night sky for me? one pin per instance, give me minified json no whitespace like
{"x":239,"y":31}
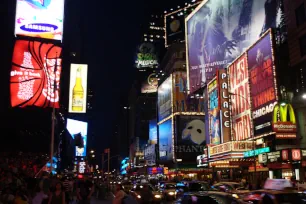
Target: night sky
{"x":109,"y":32}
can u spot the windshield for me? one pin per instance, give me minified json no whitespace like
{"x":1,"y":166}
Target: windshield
{"x":170,"y":186}
{"x":194,"y":187}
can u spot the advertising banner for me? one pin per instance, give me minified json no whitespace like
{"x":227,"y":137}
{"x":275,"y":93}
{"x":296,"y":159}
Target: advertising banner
{"x":219,"y":31}
{"x":35,"y":74}
{"x":146,"y":56}
{"x":240,"y":99}
{"x":78,"y":88}
{"x":262,"y":83}
{"x":284,"y":120}
{"x":40,"y":18}
{"x":234,"y":146}
{"x":182,"y":102}
{"x":213,"y":112}
{"x":190,"y":137}
{"x":165,"y":141}
{"x":150,"y":155}
{"x":164,"y":101}
{"x":150,"y":84}
{"x":76,"y":127}
{"x":153,"y":131}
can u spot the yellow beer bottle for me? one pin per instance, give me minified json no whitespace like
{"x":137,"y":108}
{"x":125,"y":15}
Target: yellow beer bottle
{"x":78,"y":92}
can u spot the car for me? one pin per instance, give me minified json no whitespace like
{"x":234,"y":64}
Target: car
{"x":211,"y":197}
{"x":168,"y":191}
{"x":127,"y":185}
{"x":136,"y":193}
{"x":275,"y":197}
{"x":191,"y":187}
{"x":231,"y":187}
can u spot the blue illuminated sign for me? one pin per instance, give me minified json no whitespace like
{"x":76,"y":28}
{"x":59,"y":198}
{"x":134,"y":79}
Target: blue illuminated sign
{"x":256,"y":152}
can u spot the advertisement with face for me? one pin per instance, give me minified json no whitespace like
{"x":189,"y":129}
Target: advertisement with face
{"x":262,"y":83}
{"x":165,"y":141}
{"x":219,"y":31}
{"x":146,"y":56}
{"x":35,"y":74}
{"x":40,"y":18}
{"x":183,"y":102}
{"x":240,"y":100}
{"x":164,"y":99}
{"x":213,"y":112}
{"x":78,"y":88}
{"x":190,"y":138}
{"x":153,"y":131}
{"x":76,"y":127}
{"x":150,"y":84}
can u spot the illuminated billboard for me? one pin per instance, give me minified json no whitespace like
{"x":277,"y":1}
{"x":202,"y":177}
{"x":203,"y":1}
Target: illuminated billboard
{"x":217,"y":32}
{"x":40,"y":18}
{"x":150,"y":84}
{"x":35,"y":74}
{"x":164,"y":101}
{"x":190,"y":137}
{"x":165,"y":141}
{"x":182,"y":102}
{"x":153,"y":131}
{"x":78,"y":88}
{"x":146,"y":56}
{"x":240,"y":99}
{"x":76,"y":127}
{"x":263,"y":90}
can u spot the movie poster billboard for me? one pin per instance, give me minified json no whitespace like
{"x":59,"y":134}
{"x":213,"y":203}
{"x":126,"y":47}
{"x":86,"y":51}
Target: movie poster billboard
{"x":214,"y":112}
{"x":240,"y":99}
{"x":35,"y":74}
{"x":78,"y":88}
{"x":153,"y":131}
{"x":217,"y":32}
{"x":165,"y":141}
{"x":262,"y":83}
{"x":146,"y":56}
{"x":190,"y":137}
{"x":76,"y":127}
{"x":182,"y":102}
{"x":40,"y":18}
{"x":164,"y":101}
{"x":150,"y":84}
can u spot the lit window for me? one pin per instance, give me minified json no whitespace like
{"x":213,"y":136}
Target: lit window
{"x":144,"y":34}
{"x":151,"y":40}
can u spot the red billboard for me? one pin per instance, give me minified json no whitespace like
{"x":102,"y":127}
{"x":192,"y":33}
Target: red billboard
{"x":263,"y":91}
{"x":240,"y":99}
{"x":35,"y":74}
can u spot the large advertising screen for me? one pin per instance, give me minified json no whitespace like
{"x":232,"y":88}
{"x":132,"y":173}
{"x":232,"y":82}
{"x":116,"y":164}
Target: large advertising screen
{"x":78,"y":88}
{"x":240,"y":99}
{"x":35,"y":74}
{"x":181,"y":101}
{"x":76,"y":127}
{"x":150,"y":155}
{"x":217,"y":32}
{"x":153,"y":131}
{"x":190,"y":137}
{"x":165,"y":141}
{"x":165,"y":99}
{"x":213,"y":112}
{"x":40,"y":18}
{"x":262,"y":83}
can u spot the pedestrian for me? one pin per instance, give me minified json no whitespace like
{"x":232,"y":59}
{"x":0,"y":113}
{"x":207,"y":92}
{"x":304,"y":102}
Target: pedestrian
{"x":57,"y":197}
{"x":119,"y":195}
{"x":85,"y":190}
{"x":39,"y":196}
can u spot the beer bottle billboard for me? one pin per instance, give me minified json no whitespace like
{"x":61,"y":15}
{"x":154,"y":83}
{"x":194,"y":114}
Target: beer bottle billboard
{"x":78,"y":88}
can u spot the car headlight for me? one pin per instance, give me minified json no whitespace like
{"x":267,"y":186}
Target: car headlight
{"x":235,"y":195}
{"x":157,"y":196}
{"x":171,"y":193}
{"x":138,"y":196}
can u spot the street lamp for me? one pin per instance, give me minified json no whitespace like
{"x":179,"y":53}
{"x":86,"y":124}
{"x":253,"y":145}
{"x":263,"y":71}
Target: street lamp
{"x":92,"y":151}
